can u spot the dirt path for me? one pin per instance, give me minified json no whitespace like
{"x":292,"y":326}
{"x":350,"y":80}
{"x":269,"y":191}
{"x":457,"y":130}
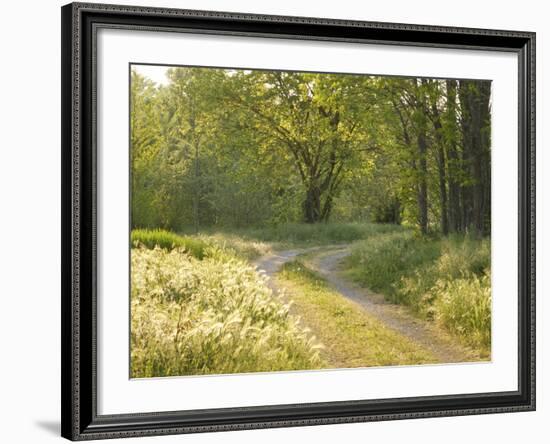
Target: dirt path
{"x":272,"y":263}
{"x":397,"y":317}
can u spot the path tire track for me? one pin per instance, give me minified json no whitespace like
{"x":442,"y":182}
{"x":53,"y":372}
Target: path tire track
{"x":396,"y":317}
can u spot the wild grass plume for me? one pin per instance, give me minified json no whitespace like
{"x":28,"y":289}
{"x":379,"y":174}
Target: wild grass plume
{"x":210,"y":316}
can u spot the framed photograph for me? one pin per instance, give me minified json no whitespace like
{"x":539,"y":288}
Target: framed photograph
{"x":282,"y":221}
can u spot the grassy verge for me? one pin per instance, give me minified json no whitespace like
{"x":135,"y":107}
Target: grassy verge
{"x":213,"y":315}
{"x":303,"y":235}
{"x":198,"y":246}
{"x":251,"y":242}
{"x":167,"y":240}
{"x":350,"y":336}
{"x":447,"y":280}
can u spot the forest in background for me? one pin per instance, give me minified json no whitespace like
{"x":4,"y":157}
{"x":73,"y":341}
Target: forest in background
{"x":222,"y":149}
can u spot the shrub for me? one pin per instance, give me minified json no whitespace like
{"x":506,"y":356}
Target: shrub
{"x":462,"y":255}
{"x":197,"y":246}
{"x":168,"y":240}
{"x":209,"y":316}
{"x":380,"y":261}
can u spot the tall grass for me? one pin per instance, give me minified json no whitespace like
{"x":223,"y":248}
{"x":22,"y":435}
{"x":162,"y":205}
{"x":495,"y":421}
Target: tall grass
{"x":209,"y":316}
{"x":318,"y":234}
{"x":251,"y":242}
{"x":447,"y":280}
{"x":198,"y":245}
{"x":168,"y":240}
{"x":464,"y":306}
{"x":352,"y":337}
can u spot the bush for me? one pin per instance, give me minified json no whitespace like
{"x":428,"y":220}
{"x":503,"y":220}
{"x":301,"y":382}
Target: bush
{"x":168,"y":240}
{"x":209,"y":316}
{"x":380,"y":261}
{"x":197,"y":246}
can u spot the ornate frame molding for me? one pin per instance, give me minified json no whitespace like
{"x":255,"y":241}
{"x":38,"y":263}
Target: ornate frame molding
{"x":79,"y":395}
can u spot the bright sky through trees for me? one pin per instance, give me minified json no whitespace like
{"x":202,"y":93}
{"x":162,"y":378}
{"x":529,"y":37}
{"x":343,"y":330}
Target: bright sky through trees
{"x":153,"y":72}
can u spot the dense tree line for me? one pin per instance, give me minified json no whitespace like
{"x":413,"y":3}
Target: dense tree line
{"x":238,"y":148}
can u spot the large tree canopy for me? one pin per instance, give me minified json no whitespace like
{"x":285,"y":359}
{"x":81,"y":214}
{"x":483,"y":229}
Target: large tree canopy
{"x":238,"y":148}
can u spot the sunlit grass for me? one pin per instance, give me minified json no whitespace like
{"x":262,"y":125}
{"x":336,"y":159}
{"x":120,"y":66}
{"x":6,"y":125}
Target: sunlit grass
{"x":198,"y":245}
{"x":351,"y":337}
{"x":446,"y":280}
{"x":443,"y":280}
{"x":302,"y":234}
{"x":168,"y":240}
{"x":210,"y":316}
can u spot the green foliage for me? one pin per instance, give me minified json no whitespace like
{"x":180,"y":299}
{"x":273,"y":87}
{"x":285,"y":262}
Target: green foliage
{"x":168,"y":240}
{"x":381,"y":261}
{"x":457,"y":258}
{"x":198,"y":246}
{"x":249,"y":155}
{"x":318,"y":234}
{"x":442,"y":279}
{"x":210,"y":316}
{"x":236,"y":245}
{"x":230,"y":148}
{"x":464,"y":306}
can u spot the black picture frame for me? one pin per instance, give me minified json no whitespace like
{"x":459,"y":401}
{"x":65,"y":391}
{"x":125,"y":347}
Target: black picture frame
{"x":80,"y":420}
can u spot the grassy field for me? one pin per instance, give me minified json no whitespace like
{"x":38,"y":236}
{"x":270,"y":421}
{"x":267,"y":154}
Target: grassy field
{"x":445,"y":280}
{"x":210,"y":315}
{"x":304,"y":235}
{"x":199,"y":306}
{"x":197,"y":246}
{"x":351,"y":337}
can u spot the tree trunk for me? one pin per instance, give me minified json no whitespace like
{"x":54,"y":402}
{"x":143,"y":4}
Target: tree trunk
{"x":474,"y":98}
{"x":453,"y":167}
{"x":476,"y":159}
{"x":422,"y":185}
{"x":443,"y":190}
{"x":319,"y":186}
{"x":312,"y":205}
{"x":327,"y":208}
{"x":444,"y":221}
{"x":196,"y":181}
{"x":466,"y":189}
{"x":422,"y":161}
{"x":485,"y":88}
